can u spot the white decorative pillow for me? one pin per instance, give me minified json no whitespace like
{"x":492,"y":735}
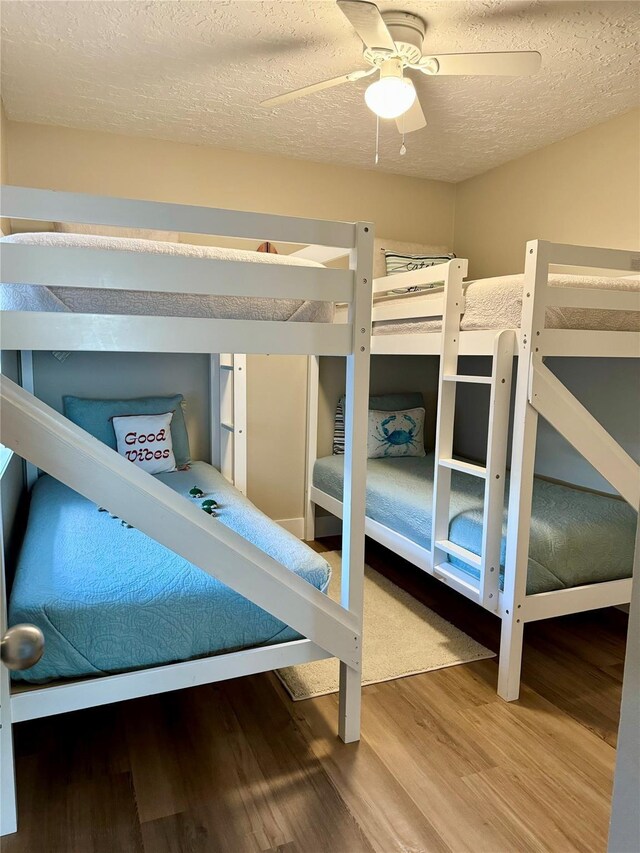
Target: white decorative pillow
{"x":382,"y":245}
{"x":395,"y":433}
{"x":116,"y":231}
{"x":145,"y":440}
{"x":398,"y":262}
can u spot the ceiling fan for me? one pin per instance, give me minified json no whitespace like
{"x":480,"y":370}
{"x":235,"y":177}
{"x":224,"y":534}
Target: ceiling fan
{"x":393,"y":42}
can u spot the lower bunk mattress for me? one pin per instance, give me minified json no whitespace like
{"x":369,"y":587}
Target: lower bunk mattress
{"x":110,"y":599}
{"x":577,"y":537}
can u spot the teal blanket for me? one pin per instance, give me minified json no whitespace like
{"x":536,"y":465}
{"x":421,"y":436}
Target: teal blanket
{"x":577,"y":537}
{"x":110,"y":599}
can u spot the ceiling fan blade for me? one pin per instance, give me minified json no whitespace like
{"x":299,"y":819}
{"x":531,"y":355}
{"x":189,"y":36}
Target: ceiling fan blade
{"x":366,"y":20}
{"x":412,"y":120}
{"x":507,"y":63}
{"x":317,"y":87}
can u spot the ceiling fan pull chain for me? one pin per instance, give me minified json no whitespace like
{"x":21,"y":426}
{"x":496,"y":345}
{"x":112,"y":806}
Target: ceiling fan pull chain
{"x":377,"y":138}
{"x":403,"y":147}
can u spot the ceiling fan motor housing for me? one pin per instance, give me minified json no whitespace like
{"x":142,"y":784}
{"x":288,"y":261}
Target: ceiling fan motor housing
{"x":407,"y":31}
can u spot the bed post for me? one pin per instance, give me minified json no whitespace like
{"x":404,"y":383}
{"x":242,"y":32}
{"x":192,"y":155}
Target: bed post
{"x":27,"y":382}
{"x":228,"y":413}
{"x":525,"y":430}
{"x":240,"y":422}
{"x":214,"y":409}
{"x":313,"y":372}
{"x":355,"y":471}
{"x":8,"y":808}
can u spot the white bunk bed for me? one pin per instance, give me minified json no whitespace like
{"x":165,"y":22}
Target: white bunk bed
{"x":538,"y":392}
{"x":49,"y":442}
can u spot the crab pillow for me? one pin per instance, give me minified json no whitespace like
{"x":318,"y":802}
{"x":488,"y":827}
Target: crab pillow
{"x":145,"y":440}
{"x":395,"y":433}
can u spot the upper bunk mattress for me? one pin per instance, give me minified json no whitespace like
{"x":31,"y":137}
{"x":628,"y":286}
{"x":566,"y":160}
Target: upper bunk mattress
{"x":109,"y":599}
{"x":496,"y":303}
{"x":21,"y":297}
{"x":577,"y":537}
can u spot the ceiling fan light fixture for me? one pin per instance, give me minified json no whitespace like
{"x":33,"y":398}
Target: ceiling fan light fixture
{"x":391,"y":95}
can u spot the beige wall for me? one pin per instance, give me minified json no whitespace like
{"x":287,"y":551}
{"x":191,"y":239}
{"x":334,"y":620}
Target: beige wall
{"x":584,"y":189}
{"x":402,"y":208}
{"x":4,"y":153}
{"x":4,"y":148}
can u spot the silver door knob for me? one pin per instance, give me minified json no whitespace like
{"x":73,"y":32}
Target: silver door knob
{"x":22,"y":647}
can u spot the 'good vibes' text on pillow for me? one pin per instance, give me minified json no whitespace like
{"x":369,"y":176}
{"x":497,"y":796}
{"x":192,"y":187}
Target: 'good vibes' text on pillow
{"x":145,"y":440}
{"x":136,"y":440}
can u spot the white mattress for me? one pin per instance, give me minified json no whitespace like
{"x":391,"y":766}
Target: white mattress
{"x":496,"y":303}
{"x":21,"y":297}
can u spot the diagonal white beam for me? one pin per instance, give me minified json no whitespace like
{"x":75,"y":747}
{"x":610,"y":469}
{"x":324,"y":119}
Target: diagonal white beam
{"x":51,"y":442}
{"x":564,"y":412}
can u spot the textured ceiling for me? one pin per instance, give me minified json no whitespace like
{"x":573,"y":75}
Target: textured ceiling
{"x":195,"y":71}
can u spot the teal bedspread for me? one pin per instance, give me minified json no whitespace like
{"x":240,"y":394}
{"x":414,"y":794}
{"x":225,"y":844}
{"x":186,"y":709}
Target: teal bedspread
{"x":577,"y":537}
{"x":110,"y":599}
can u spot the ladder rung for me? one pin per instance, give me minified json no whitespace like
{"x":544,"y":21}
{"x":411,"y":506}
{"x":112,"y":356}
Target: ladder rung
{"x":464,"y":467}
{"x":459,"y":553}
{"x":461,"y":377}
{"x":453,"y":576}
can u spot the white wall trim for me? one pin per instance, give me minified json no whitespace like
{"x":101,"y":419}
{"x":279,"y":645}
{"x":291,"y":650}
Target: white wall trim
{"x":293,"y":525}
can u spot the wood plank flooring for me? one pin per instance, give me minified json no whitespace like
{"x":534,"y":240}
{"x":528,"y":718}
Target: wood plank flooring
{"x":443,"y":764}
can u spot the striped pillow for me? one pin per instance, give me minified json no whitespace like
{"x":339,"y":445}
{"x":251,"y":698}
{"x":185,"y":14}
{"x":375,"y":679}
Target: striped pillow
{"x":338,"y":429}
{"x":398,"y":262}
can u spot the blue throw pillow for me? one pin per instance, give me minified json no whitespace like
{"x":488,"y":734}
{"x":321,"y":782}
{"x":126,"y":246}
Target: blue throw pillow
{"x":94,"y":417}
{"x":381,"y":402}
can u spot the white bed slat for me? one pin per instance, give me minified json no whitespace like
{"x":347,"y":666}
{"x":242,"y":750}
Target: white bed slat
{"x":46,"y":330}
{"x":65,"y":266}
{"x":589,"y":298}
{"x":429,"y":343}
{"x":590,"y":256}
{"x":54,"y":206}
{"x":411,"y":309}
{"x":547,"y":605}
{"x":589,"y":344}
{"x":416,"y":278}
{"x":31,"y":704}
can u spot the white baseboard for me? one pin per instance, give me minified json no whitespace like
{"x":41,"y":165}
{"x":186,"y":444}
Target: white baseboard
{"x":293,"y":525}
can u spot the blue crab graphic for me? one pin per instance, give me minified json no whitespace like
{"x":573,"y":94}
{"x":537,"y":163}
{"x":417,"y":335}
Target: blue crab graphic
{"x":394,"y":437}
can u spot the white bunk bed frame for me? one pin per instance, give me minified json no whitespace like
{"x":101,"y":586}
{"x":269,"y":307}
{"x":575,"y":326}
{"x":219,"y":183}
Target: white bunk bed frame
{"x":50,"y":442}
{"x":538,"y":392}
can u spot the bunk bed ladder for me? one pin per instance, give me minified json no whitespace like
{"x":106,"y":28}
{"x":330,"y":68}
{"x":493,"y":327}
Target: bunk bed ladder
{"x":229,"y":417}
{"x":484,"y":589}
